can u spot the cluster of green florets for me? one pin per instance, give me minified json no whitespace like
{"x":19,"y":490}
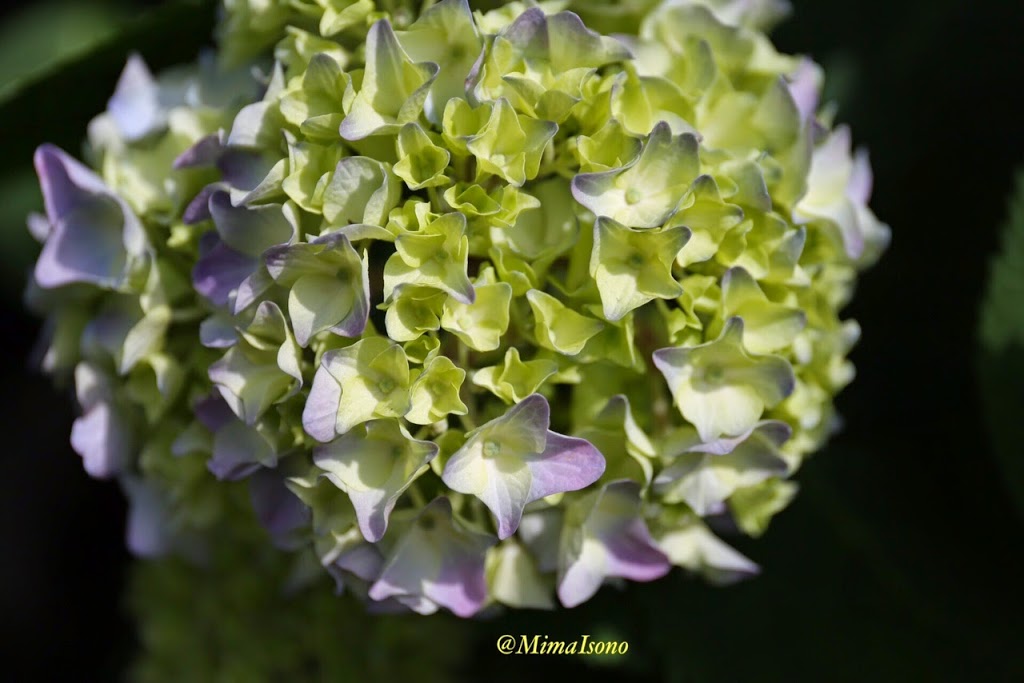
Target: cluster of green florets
{"x":484,"y":306}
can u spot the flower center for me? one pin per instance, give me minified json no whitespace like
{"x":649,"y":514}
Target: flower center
{"x":714,"y":374}
{"x":492,"y":449}
{"x":637,"y":260}
{"x":633,"y":196}
{"x":386,"y":385}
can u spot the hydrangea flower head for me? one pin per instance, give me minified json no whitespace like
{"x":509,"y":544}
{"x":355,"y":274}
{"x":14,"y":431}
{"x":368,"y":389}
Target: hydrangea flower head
{"x":483,"y":307}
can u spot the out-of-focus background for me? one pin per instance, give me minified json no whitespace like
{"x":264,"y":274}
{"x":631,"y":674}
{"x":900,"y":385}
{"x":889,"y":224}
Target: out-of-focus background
{"x":900,"y":558}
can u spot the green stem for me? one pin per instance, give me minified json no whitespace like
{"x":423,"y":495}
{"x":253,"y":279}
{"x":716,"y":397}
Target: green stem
{"x":418,"y":499}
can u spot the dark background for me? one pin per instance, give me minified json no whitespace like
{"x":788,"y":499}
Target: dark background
{"x":899,"y":560}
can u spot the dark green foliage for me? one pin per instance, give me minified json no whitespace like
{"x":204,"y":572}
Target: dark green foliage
{"x":245,"y":616}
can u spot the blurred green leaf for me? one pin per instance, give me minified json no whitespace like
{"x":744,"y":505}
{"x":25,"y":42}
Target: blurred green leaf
{"x":243,"y":615}
{"x":19,"y":195}
{"x":56,"y":104}
{"x":59,"y":64}
{"x":40,"y":37}
{"x":1001,"y":364}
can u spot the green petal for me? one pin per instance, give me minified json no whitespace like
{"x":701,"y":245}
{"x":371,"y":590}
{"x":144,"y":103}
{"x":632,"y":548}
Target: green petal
{"x":646,"y":193}
{"x":362,"y":190}
{"x":480,"y":325}
{"x":374,"y":464}
{"x":413,"y":311}
{"x":767,"y":326}
{"x":446,"y":35}
{"x":367,"y":380}
{"x":393,"y":89}
{"x":515,"y":379}
{"x":514,"y":579}
{"x":421,"y":163}
{"x":262,"y":368}
{"x":335,"y":20}
{"x":315,"y":102}
{"x":719,"y":387}
{"x":437,"y":256}
{"x":558,"y":327}
{"x":435,"y":393}
{"x":709,"y":218}
{"x":632,"y":267}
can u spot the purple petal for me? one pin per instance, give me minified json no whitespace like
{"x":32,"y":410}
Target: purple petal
{"x":198,"y":210}
{"x":244,"y":169}
{"x":220,"y":270}
{"x":90,"y":226}
{"x":65,"y":182}
{"x":461,"y":586}
{"x":205,"y":152}
{"x":556,"y":463}
{"x":213,"y":412}
{"x":620,"y":545}
{"x":567,"y":464}
{"x":278,"y":510}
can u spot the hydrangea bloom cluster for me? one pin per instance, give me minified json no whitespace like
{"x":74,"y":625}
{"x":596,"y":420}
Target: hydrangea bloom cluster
{"x":484,"y":307}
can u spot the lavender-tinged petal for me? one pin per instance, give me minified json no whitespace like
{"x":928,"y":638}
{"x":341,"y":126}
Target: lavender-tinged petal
{"x":38,"y":226}
{"x":320,"y":414}
{"x":611,"y":540}
{"x":375,"y":464}
{"x":539,"y":531}
{"x":461,"y":586}
{"x":244,"y":169}
{"x":439,"y":560}
{"x":101,"y":437}
{"x":239,"y":451}
{"x":217,"y":332}
{"x":804,"y":86}
{"x":514,"y":460}
{"x":146,"y":532}
{"x":858,"y":189}
{"x":249,"y":230}
{"x":581,"y":580}
{"x":135,"y":106}
{"x":364,"y":560}
{"x":85,"y":245}
{"x":252,"y":288}
{"x":65,"y":182}
{"x":632,"y":554}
